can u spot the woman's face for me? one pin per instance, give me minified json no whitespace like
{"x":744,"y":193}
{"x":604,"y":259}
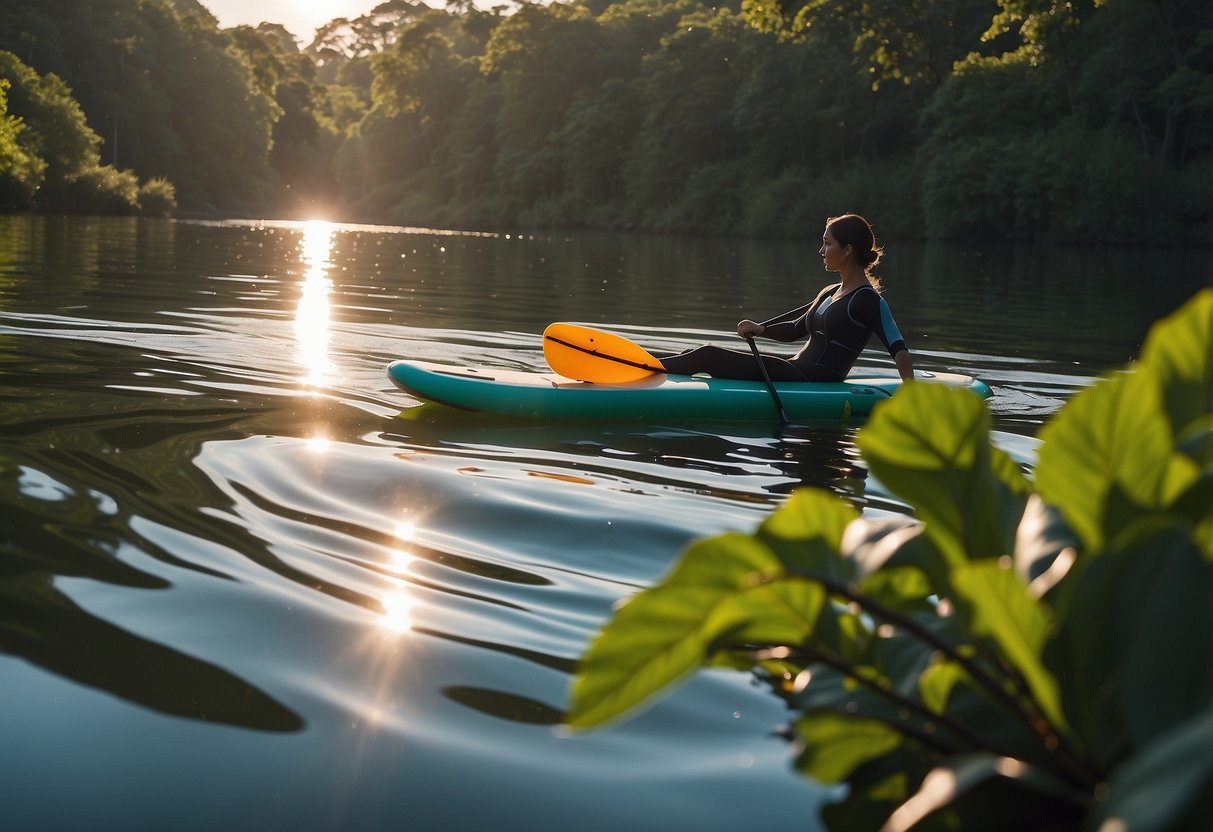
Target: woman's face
{"x":833,"y":256}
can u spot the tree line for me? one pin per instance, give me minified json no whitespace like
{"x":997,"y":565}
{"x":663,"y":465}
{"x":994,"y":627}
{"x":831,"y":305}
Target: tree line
{"x":1080,"y":121}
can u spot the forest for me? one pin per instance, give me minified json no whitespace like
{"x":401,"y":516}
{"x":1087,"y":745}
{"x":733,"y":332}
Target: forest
{"x":1089,"y":121}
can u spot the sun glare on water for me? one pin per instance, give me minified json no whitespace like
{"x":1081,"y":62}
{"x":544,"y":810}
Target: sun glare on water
{"x":313,"y":315}
{"x":398,"y":604}
{"x":397,"y":612}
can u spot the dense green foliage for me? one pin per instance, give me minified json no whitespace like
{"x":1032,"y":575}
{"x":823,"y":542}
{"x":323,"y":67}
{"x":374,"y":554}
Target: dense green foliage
{"x":48,"y":154}
{"x":1026,"y":656}
{"x":1014,"y":119}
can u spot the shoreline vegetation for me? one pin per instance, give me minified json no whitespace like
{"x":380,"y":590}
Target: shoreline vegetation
{"x":1013,"y":120}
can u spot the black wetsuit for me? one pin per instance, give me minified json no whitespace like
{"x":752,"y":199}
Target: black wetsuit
{"x":837,"y":331}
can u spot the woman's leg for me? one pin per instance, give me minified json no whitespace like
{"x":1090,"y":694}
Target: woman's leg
{"x":721,"y":363}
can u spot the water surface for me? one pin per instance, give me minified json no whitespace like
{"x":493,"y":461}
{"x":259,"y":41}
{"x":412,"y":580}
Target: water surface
{"x":243,"y":580}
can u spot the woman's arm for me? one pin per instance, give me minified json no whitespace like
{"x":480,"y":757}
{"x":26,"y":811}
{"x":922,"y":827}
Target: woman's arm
{"x":870,"y":309}
{"x":905,"y":365}
{"x":776,"y":328}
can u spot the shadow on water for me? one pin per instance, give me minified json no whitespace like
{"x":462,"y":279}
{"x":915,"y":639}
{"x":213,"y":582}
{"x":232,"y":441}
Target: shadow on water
{"x":46,"y":628}
{"x":744,"y":462}
{"x":42,"y":626}
{"x":502,"y":705}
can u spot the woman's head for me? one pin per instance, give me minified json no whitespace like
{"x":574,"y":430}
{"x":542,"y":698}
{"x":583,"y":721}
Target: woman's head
{"x":854,"y":231}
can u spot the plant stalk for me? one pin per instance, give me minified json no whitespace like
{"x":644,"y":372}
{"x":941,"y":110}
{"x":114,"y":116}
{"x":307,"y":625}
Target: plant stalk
{"x":1036,"y":721}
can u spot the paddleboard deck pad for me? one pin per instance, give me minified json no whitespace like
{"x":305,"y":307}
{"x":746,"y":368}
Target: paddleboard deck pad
{"x":658,"y":396}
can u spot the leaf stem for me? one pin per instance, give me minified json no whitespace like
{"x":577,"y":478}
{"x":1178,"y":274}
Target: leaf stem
{"x":840,"y":664}
{"x":911,"y":626}
{"x":1036,"y":721}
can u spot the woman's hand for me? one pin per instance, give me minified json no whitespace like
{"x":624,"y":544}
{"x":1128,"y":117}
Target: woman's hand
{"x":749,"y":329}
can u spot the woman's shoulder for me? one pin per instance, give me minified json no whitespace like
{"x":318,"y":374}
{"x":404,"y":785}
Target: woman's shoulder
{"x":862,"y":294}
{"x":865,"y":299}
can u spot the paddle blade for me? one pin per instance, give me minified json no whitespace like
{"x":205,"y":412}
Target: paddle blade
{"x":585,"y":354}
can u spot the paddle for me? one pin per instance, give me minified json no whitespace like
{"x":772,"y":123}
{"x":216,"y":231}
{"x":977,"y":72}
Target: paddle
{"x":585,"y":354}
{"x":766,"y":377}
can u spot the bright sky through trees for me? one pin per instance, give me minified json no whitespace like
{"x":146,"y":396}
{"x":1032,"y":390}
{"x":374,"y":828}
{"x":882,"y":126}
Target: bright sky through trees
{"x":300,"y":17}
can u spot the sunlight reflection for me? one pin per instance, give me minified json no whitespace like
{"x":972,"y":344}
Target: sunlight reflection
{"x":318,"y":444}
{"x":312,"y":317}
{"x":397,"y":611}
{"x":400,"y":561}
{"x":398,"y":602}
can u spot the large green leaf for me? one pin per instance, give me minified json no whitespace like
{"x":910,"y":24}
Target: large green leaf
{"x":1134,"y":649}
{"x":1085,"y":656}
{"x":970,"y":705}
{"x":779,"y":611}
{"x":937,"y":681}
{"x":1165,"y":628}
{"x":1155,"y":787}
{"x":1179,"y":352}
{"x":1041,"y":538}
{"x":1197,"y":505}
{"x":901,"y":588}
{"x":931,"y":446}
{"x":895,"y":543}
{"x":723,"y":590}
{"x":996,"y":605}
{"x":832,"y":689}
{"x":661,"y":635}
{"x":836,"y":744}
{"x":902,"y":657}
{"x":806,"y":532}
{"x":1108,"y":458}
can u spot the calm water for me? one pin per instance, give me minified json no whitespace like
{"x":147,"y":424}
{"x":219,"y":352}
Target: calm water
{"x":243,"y":580}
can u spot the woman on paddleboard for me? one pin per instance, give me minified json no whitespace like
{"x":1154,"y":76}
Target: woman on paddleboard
{"x":838,"y":322}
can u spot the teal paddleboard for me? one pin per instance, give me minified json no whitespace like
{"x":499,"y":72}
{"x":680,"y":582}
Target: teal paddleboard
{"x":659,"y":396}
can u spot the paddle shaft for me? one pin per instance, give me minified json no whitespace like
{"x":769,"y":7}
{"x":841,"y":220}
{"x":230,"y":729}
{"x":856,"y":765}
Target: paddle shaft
{"x":766,"y":377}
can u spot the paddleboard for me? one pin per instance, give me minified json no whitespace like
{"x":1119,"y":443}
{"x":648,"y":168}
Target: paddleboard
{"x":656,"y":396}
